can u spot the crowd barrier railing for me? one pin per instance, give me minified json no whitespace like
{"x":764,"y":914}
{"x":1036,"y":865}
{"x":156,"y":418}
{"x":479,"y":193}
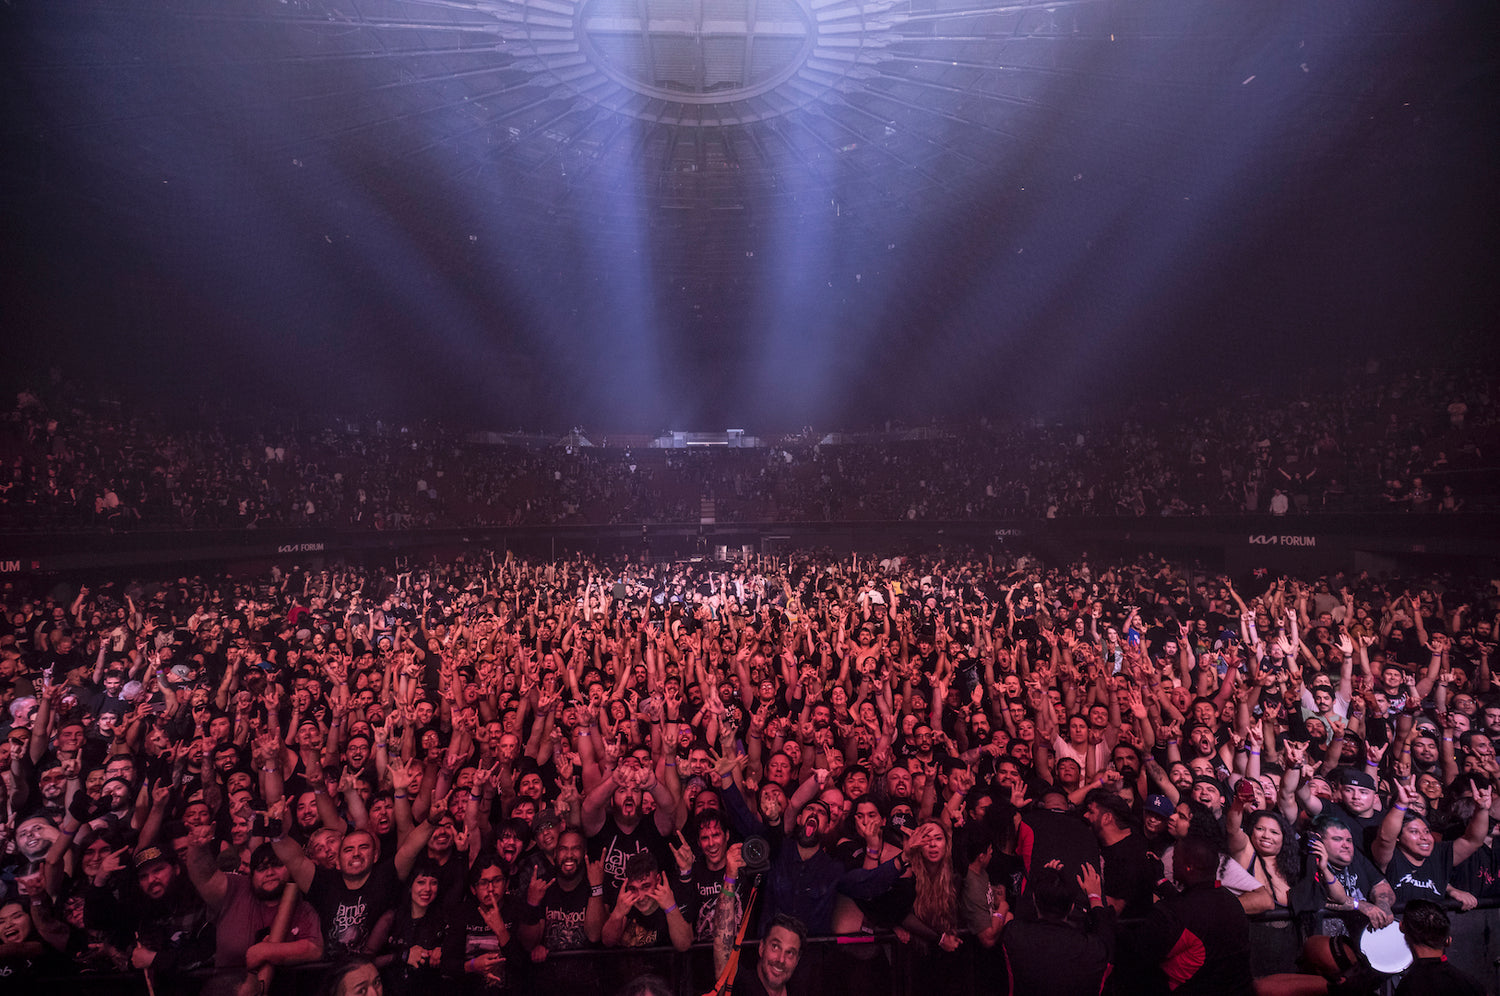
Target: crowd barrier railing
{"x":861,"y":965}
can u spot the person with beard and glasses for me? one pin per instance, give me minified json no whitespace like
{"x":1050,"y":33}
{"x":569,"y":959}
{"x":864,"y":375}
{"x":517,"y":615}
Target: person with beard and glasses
{"x":351,"y":899}
{"x":443,"y":855}
{"x":244,"y":908}
{"x":541,"y":857}
{"x":1130,"y":873}
{"x":162,"y":914}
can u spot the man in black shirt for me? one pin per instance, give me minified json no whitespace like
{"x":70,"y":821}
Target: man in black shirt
{"x":566,"y":913}
{"x":699,"y":883}
{"x":1051,"y":833}
{"x":1052,"y":954}
{"x":1129,"y":871}
{"x":1426,"y":928}
{"x":1198,"y":940}
{"x":351,"y":899}
{"x":616,"y":827}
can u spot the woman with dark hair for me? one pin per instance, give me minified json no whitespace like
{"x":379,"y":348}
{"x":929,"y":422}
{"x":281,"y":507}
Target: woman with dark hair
{"x":23,"y":951}
{"x":1267,"y":849}
{"x":1193,"y":819}
{"x":869,"y":849}
{"x":1417,"y":865}
{"x":420,"y":934}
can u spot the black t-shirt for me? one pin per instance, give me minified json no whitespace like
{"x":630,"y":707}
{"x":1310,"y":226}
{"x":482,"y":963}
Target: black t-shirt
{"x":1130,"y":873}
{"x":1359,"y":878}
{"x":698,"y":894}
{"x":1368,"y":826}
{"x":563,"y":913}
{"x":479,"y":939}
{"x":1046,"y":836}
{"x":1433,"y":977}
{"x":453,"y":879}
{"x":617,"y":846}
{"x":1421,"y":880}
{"x":1480,"y":875}
{"x":348,"y":915}
{"x":645,"y":930}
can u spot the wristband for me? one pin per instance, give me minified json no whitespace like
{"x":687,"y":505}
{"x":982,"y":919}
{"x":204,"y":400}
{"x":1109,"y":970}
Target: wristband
{"x":730,"y":883}
{"x":596,"y":891}
{"x":671,"y":764}
{"x":1095,"y":895}
{"x":401,"y":795}
{"x":1256,"y":753}
{"x":1399,"y":808}
{"x":671,"y":909}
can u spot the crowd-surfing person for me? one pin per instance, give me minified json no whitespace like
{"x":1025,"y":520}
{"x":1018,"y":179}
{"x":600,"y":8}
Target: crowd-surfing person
{"x":465,"y":775}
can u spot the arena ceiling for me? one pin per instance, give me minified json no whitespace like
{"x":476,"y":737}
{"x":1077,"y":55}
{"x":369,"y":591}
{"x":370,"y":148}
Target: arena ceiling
{"x":719,"y":180}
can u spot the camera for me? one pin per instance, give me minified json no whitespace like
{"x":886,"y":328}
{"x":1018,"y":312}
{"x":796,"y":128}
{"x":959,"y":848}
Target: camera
{"x":757,"y":855}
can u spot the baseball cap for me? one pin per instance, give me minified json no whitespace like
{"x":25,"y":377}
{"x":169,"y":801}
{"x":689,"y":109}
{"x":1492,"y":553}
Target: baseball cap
{"x":149,"y":856}
{"x":1205,"y":780}
{"x":1160,"y":805}
{"x":1359,"y":779}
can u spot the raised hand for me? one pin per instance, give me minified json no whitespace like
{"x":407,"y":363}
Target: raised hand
{"x":734,"y":860}
{"x":682,"y":853}
{"x":661,"y":891}
{"x":537,"y":888}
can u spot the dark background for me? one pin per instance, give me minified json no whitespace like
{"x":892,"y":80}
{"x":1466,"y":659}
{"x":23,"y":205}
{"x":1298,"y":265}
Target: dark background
{"x":258,"y":202}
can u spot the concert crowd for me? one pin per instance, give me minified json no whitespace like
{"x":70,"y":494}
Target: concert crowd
{"x":1035,"y":778}
{"x":1371,"y":439}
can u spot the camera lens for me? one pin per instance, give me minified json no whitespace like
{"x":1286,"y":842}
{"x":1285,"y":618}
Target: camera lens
{"x":757,"y":854}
